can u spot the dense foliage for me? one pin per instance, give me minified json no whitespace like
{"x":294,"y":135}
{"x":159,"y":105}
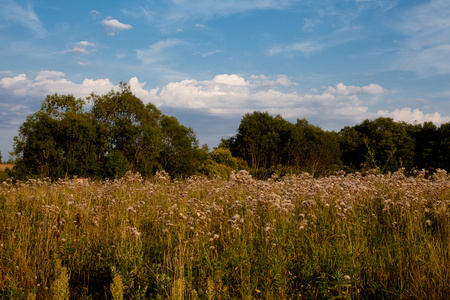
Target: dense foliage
{"x":270,"y":144}
{"x":119,"y":133}
{"x":387,"y":145}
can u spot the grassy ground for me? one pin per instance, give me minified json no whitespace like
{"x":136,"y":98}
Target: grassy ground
{"x":340,"y":237}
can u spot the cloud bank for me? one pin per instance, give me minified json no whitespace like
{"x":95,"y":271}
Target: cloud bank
{"x":227,"y":95}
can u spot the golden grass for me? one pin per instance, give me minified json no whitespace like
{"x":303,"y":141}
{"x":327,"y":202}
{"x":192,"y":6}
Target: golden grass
{"x":3,"y":167}
{"x":345,"y":236}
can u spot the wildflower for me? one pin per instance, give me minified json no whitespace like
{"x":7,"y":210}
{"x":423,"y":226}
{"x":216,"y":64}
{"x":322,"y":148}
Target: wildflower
{"x":131,"y":209}
{"x":133,"y":232}
{"x":303,"y":224}
{"x":308,"y":203}
{"x":346,"y":277}
{"x":428,"y":221}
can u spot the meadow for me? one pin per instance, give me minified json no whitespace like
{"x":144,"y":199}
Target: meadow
{"x":3,"y":167}
{"x":346,"y":236}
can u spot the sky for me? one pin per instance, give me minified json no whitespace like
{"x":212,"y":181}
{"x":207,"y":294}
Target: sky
{"x":209,"y":62}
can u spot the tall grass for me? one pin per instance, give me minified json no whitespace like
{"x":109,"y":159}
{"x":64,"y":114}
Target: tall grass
{"x":343,"y":236}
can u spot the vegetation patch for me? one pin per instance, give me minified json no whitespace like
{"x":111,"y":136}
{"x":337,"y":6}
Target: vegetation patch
{"x":345,"y":236}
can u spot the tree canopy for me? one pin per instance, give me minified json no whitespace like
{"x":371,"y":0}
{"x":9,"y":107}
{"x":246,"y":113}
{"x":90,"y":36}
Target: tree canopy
{"x":265,"y":142}
{"x":118,"y":133}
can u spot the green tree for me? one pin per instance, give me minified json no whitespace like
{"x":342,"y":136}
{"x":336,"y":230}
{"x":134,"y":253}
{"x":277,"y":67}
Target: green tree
{"x":58,"y":140}
{"x":352,"y":147}
{"x":128,"y":126}
{"x":427,"y":145}
{"x":180,"y":154}
{"x":261,"y":139}
{"x":36,"y":147}
{"x":118,"y":134}
{"x":313,"y":150}
{"x":223,"y":156}
{"x":443,"y":145}
{"x":270,"y":144}
{"x":385,"y":145}
{"x":116,"y":165}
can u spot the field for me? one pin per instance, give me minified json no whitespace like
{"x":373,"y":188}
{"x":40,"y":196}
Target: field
{"x":3,"y":167}
{"x":346,"y":236}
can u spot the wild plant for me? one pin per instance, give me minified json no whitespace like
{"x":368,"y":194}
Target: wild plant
{"x":349,"y":236}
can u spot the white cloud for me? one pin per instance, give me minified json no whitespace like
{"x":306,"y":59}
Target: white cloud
{"x":50,"y":82}
{"x":157,"y":52}
{"x":429,"y":61}
{"x":232,"y":95}
{"x":426,"y":46}
{"x":179,"y":12}
{"x":10,"y":10}
{"x":311,"y":24}
{"x":347,"y":90}
{"x":140,"y":92}
{"x":81,"y":48}
{"x":94,"y":13}
{"x":264,"y":81}
{"x":413,"y":116}
{"x":113,"y":26}
{"x":226,"y":95}
{"x":183,"y":10}
{"x":306,"y":48}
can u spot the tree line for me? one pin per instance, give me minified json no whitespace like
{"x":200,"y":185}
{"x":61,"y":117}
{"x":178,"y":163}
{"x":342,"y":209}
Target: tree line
{"x":104,"y":136}
{"x":270,"y":143}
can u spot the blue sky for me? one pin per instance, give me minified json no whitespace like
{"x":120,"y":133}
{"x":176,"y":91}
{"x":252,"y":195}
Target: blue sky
{"x":209,"y":62}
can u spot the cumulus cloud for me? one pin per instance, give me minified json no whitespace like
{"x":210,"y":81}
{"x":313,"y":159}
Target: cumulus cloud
{"x":346,"y":90}
{"x":264,"y":81}
{"x":113,"y":26}
{"x":230,"y":95}
{"x":50,"y":82}
{"x":226,"y":95}
{"x":138,"y":89}
{"x":413,"y":116}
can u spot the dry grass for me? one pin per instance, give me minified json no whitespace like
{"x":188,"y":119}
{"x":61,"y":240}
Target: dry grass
{"x":346,"y":236}
{"x":3,"y":167}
